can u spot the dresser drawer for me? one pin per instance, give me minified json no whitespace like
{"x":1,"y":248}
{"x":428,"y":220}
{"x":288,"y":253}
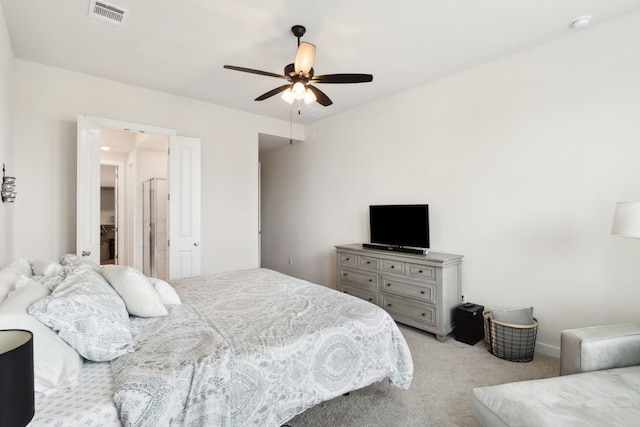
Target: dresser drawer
{"x":408,"y":312}
{"x":369,"y":280}
{"x":422,"y":291}
{"x":367,"y":295}
{"x":369,"y":262}
{"x":392,"y":266}
{"x":422,"y":271}
{"x":348,"y":259}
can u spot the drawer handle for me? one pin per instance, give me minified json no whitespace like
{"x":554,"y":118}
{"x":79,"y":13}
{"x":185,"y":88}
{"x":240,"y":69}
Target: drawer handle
{"x":422,"y":292}
{"x":344,"y":274}
{"x":370,"y":299}
{"x":420,"y":271}
{"x":370,"y":280}
{"x":347,"y":259}
{"x":368,"y":262}
{"x":388,"y":305}
{"x":388,"y":284}
{"x":393,"y":266}
{"x":423,"y":314}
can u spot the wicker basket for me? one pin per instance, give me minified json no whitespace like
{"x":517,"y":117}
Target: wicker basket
{"x":510,"y":342}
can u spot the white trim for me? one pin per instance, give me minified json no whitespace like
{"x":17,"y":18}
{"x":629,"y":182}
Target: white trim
{"x":548,"y":350}
{"x":102,"y":122}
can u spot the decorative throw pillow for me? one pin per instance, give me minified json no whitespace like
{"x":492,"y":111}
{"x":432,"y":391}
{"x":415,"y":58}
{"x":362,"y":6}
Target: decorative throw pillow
{"x":135,"y":289}
{"x":168,"y":295}
{"x":514,"y":316}
{"x":46,"y":268}
{"x":10,"y":274}
{"x":88,"y":314}
{"x":55,"y":363}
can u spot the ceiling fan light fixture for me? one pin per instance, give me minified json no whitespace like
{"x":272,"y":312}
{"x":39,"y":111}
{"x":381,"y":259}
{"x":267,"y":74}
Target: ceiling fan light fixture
{"x":288,"y":97}
{"x":309,"y":97}
{"x":298,"y":90}
{"x":304,"y":58}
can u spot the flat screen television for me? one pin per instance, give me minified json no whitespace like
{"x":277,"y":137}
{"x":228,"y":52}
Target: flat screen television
{"x":401,"y":226}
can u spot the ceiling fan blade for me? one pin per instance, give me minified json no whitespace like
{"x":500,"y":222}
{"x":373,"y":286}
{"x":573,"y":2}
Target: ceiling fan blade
{"x":252,"y":71}
{"x":342,"y":78}
{"x":272,"y":92}
{"x":305,"y":55}
{"x":321,"y":97}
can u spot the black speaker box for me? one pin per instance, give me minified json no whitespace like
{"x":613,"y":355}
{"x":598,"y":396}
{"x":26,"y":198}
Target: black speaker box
{"x":469,"y":323}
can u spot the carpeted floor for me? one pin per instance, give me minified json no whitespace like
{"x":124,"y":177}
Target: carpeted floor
{"x":440,"y":394}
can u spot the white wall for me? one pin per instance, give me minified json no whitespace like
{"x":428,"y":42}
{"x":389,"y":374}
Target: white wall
{"x":46,"y":103}
{"x":521,"y":161}
{"x":6,"y":209}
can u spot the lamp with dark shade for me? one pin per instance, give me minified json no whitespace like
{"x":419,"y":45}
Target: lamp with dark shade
{"x":626,"y":219}
{"x":17,"y":405}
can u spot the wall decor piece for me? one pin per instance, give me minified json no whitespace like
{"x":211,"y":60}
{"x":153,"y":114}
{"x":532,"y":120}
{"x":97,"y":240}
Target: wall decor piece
{"x":8,"y":188}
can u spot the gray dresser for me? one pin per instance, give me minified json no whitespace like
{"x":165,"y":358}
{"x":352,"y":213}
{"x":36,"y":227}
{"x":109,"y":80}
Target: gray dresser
{"x":418,"y":290}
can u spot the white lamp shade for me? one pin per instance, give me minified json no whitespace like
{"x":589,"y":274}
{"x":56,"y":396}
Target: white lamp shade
{"x":304,"y":58}
{"x":287,"y":95}
{"x":626,"y":219}
{"x":298,"y":90}
{"x":309,"y":97}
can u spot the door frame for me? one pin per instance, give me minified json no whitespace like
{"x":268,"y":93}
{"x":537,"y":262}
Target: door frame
{"x":88,"y":187}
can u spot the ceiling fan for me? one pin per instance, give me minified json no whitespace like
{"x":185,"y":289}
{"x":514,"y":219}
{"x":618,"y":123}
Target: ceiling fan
{"x":300,"y":76}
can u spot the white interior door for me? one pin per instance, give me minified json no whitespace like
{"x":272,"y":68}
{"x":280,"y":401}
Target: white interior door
{"x":88,"y":189}
{"x":184,"y":205}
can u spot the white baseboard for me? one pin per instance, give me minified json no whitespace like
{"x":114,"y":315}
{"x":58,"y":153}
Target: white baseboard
{"x":547,"y":349}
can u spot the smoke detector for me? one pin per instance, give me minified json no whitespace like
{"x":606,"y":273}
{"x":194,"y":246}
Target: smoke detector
{"x":107,"y":12}
{"x":580,"y":22}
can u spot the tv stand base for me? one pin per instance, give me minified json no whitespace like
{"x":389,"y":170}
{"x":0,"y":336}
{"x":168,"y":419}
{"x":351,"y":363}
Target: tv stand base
{"x":402,"y":249}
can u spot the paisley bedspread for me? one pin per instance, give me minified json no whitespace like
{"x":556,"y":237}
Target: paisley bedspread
{"x":254,"y":347}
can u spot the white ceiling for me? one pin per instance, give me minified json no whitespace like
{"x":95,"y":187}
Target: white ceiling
{"x":180,"y":47}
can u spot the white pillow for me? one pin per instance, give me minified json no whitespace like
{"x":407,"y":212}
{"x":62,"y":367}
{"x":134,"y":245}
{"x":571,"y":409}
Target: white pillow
{"x":10,"y":274}
{"x":168,"y":295}
{"x":135,"y":289}
{"x":513,"y":316}
{"x":88,"y":314}
{"x":46,"y":268}
{"x":55,"y":363}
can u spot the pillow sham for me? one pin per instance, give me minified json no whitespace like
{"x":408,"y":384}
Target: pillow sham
{"x":55,"y":363}
{"x":514,"y":316}
{"x":168,"y":295}
{"x":46,"y":268}
{"x":138,"y":294}
{"x":88,"y":314}
{"x":10,"y":274}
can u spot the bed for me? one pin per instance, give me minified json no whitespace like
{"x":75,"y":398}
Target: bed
{"x":249,"y":347}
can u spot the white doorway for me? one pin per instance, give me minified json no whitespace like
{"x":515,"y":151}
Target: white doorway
{"x":141,"y":152}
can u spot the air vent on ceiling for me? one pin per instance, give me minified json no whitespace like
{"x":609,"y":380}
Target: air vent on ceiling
{"x":107,"y":12}
{"x":310,"y":111}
